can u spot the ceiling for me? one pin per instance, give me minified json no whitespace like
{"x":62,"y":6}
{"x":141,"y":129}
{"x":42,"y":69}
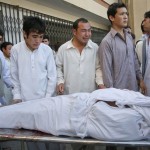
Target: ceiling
{"x":71,"y":9}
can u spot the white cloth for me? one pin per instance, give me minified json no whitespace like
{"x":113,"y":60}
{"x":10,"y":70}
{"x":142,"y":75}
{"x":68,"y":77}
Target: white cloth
{"x":147,"y":71}
{"x":78,"y":72}
{"x":8,"y":90}
{"x":33,"y":73}
{"x":5,"y":71}
{"x":83,"y":115}
{"x":139,"y":49}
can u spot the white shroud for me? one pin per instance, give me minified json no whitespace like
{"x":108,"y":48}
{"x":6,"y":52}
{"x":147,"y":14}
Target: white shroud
{"x":83,"y":115}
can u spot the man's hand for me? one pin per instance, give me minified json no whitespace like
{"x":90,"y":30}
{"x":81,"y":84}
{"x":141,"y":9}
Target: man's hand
{"x":15,"y":101}
{"x":60,"y":89}
{"x":143,"y":87}
{"x":101,"y":86}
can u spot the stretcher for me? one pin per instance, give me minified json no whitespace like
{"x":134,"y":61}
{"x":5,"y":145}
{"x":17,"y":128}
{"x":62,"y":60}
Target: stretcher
{"x":36,"y":136}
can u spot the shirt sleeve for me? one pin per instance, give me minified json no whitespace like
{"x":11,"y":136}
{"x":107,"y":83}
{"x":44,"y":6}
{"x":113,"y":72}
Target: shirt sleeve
{"x":14,"y":75}
{"x":5,"y":71}
{"x":137,"y":67}
{"x":59,"y":66}
{"x":105,"y":57}
{"x":52,"y":76}
{"x":138,"y":50}
{"x":99,"y":78}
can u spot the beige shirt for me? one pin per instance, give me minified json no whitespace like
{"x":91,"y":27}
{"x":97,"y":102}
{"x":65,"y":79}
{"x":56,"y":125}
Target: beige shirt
{"x":139,"y":51}
{"x":141,"y":48}
{"x":78,"y":72}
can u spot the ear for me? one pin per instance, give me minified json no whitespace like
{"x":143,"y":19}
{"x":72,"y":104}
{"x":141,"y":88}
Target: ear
{"x":111,"y":18}
{"x":3,"y":49}
{"x":74,"y":31}
{"x":24,"y":35}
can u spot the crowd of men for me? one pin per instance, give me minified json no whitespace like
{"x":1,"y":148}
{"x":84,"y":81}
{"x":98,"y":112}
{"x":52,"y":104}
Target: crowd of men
{"x":32,"y":71}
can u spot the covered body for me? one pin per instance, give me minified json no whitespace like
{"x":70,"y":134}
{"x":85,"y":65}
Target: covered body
{"x":84,"y":114}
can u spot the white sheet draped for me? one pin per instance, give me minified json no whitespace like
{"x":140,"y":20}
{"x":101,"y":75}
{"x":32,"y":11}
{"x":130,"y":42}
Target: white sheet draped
{"x":82,"y":115}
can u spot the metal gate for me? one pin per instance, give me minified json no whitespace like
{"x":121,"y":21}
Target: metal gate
{"x":58,"y":30}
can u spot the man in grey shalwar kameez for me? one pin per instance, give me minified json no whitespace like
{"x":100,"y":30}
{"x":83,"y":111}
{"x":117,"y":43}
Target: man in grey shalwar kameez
{"x":118,"y":59}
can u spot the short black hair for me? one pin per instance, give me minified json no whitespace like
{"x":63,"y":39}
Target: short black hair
{"x":4,"y":45}
{"x":147,"y":14}
{"x":75,"y":24}
{"x":33,"y":24}
{"x":46,"y":37}
{"x":112,"y":9}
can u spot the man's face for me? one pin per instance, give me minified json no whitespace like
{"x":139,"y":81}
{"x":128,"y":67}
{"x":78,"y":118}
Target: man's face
{"x":33,"y":40}
{"x":83,"y":33}
{"x":146,"y":25}
{"x":120,"y":19}
{"x":45,"y":41}
{"x":6,"y":51}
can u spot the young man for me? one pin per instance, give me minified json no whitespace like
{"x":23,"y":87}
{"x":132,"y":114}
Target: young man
{"x":4,"y":73}
{"x":118,"y":59}
{"x":33,"y":68}
{"x":78,"y":68}
{"x":47,"y":42}
{"x":6,"y":48}
{"x":143,"y":51}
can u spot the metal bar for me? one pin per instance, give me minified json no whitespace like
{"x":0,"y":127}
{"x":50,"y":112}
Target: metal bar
{"x":6,"y":22}
{"x":18,"y":21}
{"x":29,"y":135}
{"x":11,"y":27}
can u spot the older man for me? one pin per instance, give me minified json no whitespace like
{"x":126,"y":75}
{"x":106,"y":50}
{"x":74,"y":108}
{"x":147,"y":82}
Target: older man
{"x":78,"y":68}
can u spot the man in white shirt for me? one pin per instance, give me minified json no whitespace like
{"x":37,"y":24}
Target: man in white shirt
{"x":143,"y":52}
{"x":46,"y":41}
{"x":4,"y":73}
{"x":78,"y":68}
{"x":6,"y":48}
{"x":4,"y":77}
{"x":33,"y":69}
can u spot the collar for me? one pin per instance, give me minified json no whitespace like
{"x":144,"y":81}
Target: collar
{"x":28,"y":49}
{"x":147,"y":38}
{"x":70,"y":44}
{"x":114,"y":32}
{"x":8,"y":59}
